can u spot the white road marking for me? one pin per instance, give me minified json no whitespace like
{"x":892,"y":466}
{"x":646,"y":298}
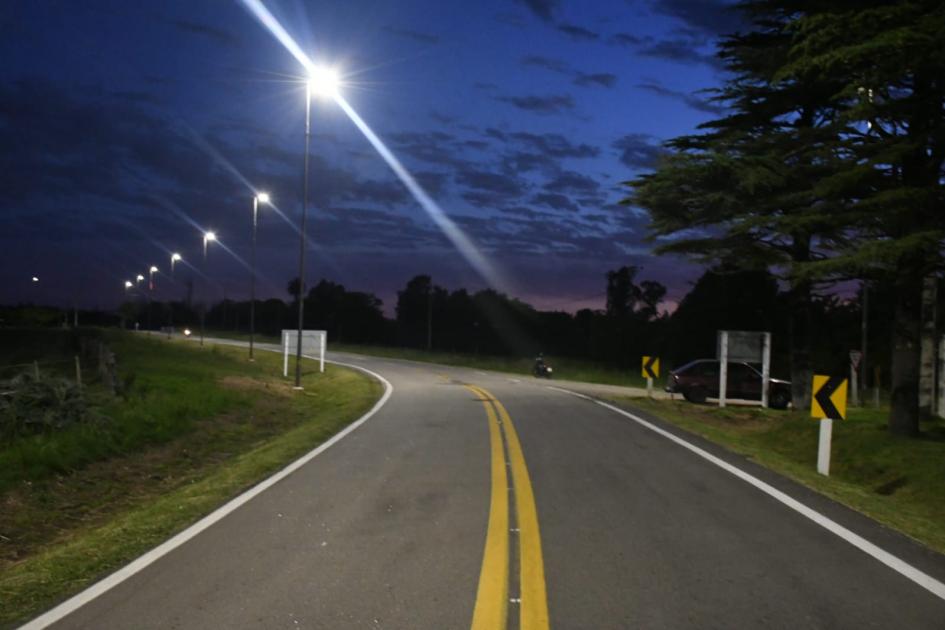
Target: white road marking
{"x":905,"y":569}
{"x":74,"y":603}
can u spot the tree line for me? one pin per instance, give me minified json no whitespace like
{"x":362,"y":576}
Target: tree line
{"x":827,"y":168}
{"x":634,"y":321}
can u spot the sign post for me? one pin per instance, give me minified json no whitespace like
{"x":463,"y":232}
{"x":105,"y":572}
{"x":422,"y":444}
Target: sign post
{"x":723,"y":370}
{"x":651,"y":371}
{"x":828,"y":403}
{"x":855,"y":357}
{"x":743,"y":345}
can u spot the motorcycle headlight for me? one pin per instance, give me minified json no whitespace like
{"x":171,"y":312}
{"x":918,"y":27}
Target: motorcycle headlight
{"x":550,"y":370}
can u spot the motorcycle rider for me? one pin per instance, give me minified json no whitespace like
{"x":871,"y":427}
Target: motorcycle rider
{"x":539,"y":369}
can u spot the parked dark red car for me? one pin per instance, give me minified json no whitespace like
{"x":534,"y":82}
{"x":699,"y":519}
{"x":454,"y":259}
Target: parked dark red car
{"x":698,"y":380}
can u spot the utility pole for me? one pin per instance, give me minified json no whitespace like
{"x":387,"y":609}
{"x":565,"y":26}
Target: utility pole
{"x":430,"y":316}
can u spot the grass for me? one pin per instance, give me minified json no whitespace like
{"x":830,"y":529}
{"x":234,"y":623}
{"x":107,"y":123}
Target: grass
{"x":564,"y":368}
{"x":897,"y":481}
{"x":197,"y":428}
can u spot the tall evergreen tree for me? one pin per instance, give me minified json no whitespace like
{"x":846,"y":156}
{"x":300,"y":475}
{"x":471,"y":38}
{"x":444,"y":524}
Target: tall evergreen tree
{"x":742,"y":192}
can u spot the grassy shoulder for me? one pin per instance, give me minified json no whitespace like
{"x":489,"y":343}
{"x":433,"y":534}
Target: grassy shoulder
{"x":897,"y":481}
{"x":196,"y":427}
{"x":564,"y":368}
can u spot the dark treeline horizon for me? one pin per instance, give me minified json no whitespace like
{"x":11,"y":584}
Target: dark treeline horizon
{"x":489,"y":323}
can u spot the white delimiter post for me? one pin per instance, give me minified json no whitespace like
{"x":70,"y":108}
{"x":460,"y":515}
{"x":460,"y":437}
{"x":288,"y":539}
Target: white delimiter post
{"x":723,"y":372}
{"x":823,"y":447}
{"x":765,"y":368}
{"x":285,"y":354}
{"x":649,"y":387}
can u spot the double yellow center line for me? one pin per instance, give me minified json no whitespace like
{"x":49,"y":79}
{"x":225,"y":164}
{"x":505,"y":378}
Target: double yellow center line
{"x":492,"y":598}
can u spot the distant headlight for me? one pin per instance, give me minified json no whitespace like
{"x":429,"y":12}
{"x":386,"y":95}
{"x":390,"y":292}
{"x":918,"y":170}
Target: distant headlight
{"x":187,"y":332}
{"x":550,"y":370}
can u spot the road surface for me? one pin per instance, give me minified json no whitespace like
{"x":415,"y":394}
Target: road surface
{"x":474,"y":499}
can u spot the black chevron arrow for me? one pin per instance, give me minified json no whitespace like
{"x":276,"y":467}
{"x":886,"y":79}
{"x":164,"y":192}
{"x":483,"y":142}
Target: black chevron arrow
{"x":648,"y":367}
{"x":823,"y":397}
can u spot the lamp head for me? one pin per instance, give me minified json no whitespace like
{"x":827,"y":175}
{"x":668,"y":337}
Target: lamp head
{"x":153,"y":269}
{"x":262,"y":197}
{"x":175,"y":257}
{"x":35,"y":279}
{"x":323,"y":81}
{"x":139,"y":278}
{"x":210,"y":236}
{"x":129,"y":284}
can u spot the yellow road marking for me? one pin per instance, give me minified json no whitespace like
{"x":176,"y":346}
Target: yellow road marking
{"x":492,"y":598}
{"x":533,"y":612}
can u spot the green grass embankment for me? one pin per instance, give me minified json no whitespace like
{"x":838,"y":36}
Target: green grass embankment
{"x":195,"y":428}
{"x":895,"y":480}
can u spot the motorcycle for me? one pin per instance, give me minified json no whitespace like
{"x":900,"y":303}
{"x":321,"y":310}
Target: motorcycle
{"x":542,"y":370}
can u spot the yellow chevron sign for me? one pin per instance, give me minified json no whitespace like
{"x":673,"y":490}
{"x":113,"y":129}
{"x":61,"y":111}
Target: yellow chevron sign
{"x":830,"y":398}
{"x":651,"y":367}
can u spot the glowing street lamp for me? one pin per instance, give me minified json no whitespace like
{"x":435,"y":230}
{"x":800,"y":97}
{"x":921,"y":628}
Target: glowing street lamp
{"x":208,"y":237}
{"x":257,"y":199}
{"x":153,"y":270}
{"x":35,"y":279}
{"x":128,"y":284}
{"x":139,"y":278}
{"x":175,"y":258}
{"x":322,"y":81}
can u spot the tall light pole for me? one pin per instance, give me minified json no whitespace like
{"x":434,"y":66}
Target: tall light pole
{"x":322,"y":81}
{"x":170,"y":303}
{"x":257,"y":199}
{"x":208,"y":237}
{"x":151,"y":271}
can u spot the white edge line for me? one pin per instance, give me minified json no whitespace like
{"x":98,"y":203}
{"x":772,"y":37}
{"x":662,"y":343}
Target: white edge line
{"x":921,"y":578}
{"x":99,"y":588}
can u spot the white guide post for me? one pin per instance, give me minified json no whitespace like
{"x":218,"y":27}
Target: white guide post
{"x":723,"y":372}
{"x":765,"y":367}
{"x":649,"y":387}
{"x":285,"y":354}
{"x":823,"y":446}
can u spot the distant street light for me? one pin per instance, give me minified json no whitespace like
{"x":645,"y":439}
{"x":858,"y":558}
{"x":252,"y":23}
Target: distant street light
{"x":139,"y":278}
{"x":175,"y":258}
{"x":129,"y":284}
{"x":208,"y":237}
{"x":257,"y":199}
{"x":323,"y":82}
{"x":153,"y":270}
{"x":35,"y":279}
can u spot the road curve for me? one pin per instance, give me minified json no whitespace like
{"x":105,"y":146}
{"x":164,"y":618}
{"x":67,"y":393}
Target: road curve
{"x":388,"y":529}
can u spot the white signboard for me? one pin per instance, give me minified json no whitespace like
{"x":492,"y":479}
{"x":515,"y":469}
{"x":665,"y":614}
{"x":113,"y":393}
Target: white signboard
{"x":313,"y":346}
{"x":748,"y":346}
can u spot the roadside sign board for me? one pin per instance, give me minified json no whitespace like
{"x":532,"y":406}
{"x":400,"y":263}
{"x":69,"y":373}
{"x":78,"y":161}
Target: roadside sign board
{"x":855,"y":357}
{"x":830,"y":398}
{"x":651,"y":367}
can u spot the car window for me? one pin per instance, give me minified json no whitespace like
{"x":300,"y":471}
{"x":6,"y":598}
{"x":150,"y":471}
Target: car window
{"x":709,"y":368}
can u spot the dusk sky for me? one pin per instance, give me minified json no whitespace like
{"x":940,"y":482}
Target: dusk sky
{"x":127,"y":126}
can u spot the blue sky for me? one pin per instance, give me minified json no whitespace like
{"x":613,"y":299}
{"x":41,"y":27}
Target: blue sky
{"x":520,"y":118}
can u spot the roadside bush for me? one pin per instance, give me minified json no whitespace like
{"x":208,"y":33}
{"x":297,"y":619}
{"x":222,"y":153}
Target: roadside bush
{"x":29,"y":406}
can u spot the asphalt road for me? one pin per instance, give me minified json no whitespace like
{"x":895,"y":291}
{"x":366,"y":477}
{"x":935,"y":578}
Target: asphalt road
{"x":400,"y":525}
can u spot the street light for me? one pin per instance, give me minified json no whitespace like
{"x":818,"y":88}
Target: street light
{"x":257,"y":199}
{"x":153,"y":270}
{"x":35,"y":279}
{"x":175,"y":258}
{"x":208,"y":237}
{"x":139,"y":278}
{"x":322,"y":81}
{"x":128,"y":284}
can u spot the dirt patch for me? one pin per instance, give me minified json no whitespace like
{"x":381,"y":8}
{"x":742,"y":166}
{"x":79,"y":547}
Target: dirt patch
{"x":247,"y":383}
